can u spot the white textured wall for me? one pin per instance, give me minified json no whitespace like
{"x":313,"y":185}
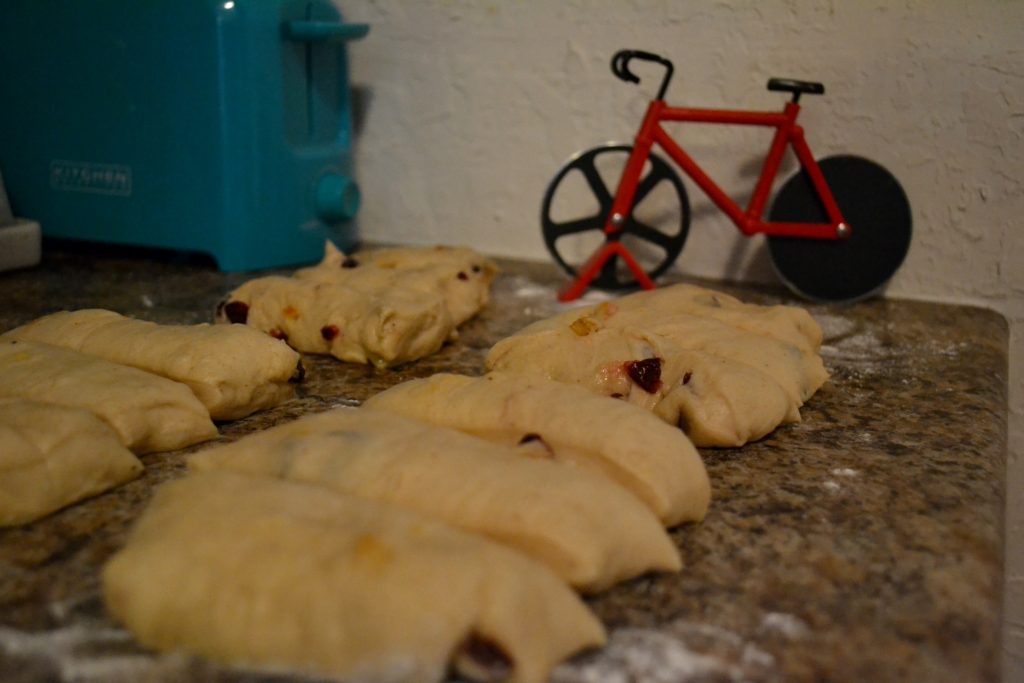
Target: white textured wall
{"x":469,"y":107}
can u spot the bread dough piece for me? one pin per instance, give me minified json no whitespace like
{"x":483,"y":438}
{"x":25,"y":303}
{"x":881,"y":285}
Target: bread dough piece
{"x":233,"y":369}
{"x":800,"y":373}
{"x":462,"y":276}
{"x":256,"y":571}
{"x":149,"y":413}
{"x":384,"y":307}
{"x":636,"y":449}
{"x":52,"y":456}
{"x":589,"y":531}
{"x":715,"y":402}
{"x":323,"y":317}
{"x":790,"y":324}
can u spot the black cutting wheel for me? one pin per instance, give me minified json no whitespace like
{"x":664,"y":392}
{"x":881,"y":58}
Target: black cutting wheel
{"x":878,"y":213}
{"x":654,"y":231}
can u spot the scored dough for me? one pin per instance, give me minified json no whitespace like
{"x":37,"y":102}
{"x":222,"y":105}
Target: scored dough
{"x":257,"y":571}
{"x":234,"y":370}
{"x":588,"y":530}
{"x":385,"y":307}
{"x":149,"y":413}
{"x":52,"y":456}
{"x":653,"y":460}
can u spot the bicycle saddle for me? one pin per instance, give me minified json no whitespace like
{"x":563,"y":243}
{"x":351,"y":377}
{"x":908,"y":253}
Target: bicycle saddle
{"x":796,"y":87}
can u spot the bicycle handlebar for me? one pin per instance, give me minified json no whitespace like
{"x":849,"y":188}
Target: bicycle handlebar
{"x":620,"y":67}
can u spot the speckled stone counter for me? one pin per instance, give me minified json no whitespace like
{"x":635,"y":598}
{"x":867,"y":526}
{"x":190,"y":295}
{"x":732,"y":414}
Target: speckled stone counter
{"x":862,"y":544}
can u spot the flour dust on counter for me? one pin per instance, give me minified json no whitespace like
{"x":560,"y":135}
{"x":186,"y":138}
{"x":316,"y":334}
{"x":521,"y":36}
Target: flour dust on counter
{"x":384,"y":307}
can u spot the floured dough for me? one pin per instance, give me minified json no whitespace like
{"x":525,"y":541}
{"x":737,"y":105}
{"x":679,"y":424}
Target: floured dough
{"x":568,"y":423}
{"x":258,"y":571}
{"x":588,"y":530}
{"x":233,"y":369}
{"x":52,"y":456}
{"x":148,"y":413}
{"x":721,"y":381}
{"x":383,"y":307}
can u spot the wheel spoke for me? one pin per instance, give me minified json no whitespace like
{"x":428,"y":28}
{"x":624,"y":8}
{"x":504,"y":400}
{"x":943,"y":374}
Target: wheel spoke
{"x":646,"y":184}
{"x":650,"y":234}
{"x":595,"y":181}
{"x":557,"y":230}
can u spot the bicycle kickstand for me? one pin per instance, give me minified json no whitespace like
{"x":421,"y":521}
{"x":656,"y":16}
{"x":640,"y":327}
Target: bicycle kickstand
{"x":589,"y":270}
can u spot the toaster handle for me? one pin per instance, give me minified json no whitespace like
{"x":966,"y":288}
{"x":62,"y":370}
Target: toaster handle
{"x":323,"y":31}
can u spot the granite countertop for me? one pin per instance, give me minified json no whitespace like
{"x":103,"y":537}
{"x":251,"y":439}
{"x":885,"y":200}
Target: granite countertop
{"x":862,"y":544}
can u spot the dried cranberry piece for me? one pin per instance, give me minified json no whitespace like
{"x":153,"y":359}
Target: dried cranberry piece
{"x":237,"y":311}
{"x":687,"y":377}
{"x":278,"y":333}
{"x":476,"y":268}
{"x":646,"y":373}
{"x":329,"y":332}
{"x":462,"y":275}
{"x":491,"y":658}
{"x":349,"y":262}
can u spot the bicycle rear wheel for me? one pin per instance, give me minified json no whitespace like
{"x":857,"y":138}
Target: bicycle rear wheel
{"x":878,"y":213}
{"x":577,"y":202}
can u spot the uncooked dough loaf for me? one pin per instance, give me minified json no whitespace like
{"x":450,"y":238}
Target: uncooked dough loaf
{"x":568,"y":423}
{"x":462,"y":276}
{"x":233,"y":369}
{"x":790,"y":324}
{"x":52,"y":456}
{"x":800,"y":373}
{"x":256,"y":571}
{"x":351,"y":325}
{"x":149,"y":413}
{"x":588,"y":530}
{"x":724,"y":378}
{"x":384,"y":307}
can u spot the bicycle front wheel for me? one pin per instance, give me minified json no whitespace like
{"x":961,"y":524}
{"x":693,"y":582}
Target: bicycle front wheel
{"x":579,"y":199}
{"x":878,"y":213}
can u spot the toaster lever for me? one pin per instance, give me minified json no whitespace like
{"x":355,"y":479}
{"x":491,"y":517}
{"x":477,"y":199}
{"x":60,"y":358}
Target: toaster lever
{"x":323,"y":31}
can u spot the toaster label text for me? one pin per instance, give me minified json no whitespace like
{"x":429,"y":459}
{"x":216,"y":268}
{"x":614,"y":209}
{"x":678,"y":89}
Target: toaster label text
{"x":82,"y":176}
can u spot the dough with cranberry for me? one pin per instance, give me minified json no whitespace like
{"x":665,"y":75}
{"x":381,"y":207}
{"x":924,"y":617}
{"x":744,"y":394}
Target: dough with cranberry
{"x":725,"y":372}
{"x":260,"y":572}
{"x":384,"y":307}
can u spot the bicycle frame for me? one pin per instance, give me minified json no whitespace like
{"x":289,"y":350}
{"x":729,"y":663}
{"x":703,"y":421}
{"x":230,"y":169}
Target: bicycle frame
{"x":749,"y":221}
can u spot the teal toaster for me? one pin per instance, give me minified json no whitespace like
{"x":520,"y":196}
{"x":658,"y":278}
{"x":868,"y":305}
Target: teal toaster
{"x":221,"y":127}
